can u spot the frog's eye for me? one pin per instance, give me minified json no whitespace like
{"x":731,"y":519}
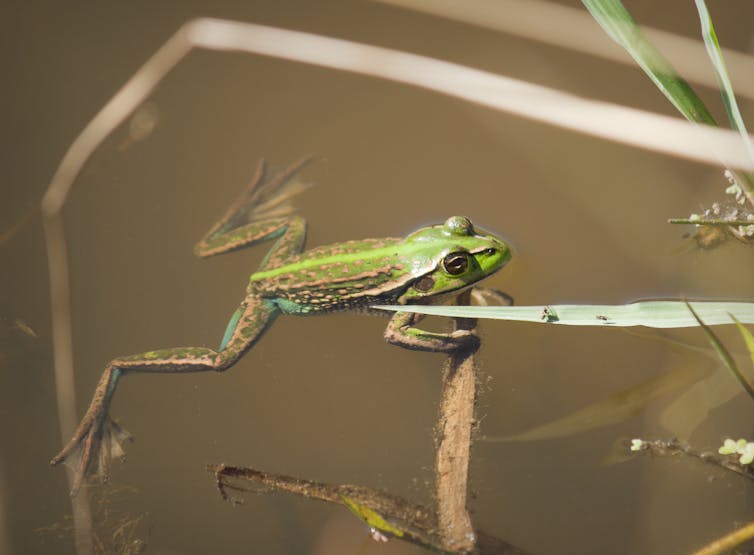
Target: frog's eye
{"x":456,"y":263}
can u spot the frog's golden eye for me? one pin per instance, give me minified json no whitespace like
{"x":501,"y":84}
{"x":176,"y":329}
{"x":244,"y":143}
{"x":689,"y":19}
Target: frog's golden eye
{"x":456,"y":263}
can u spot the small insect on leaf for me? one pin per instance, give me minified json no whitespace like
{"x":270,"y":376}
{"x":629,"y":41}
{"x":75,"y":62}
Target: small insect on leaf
{"x":549,"y":314}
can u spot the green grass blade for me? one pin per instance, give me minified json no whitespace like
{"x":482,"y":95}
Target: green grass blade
{"x":723,"y":353}
{"x":748,"y":337}
{"x":621,"y":27}
{"x":721,"y":72}
{"x":726,"y":88}
{"x":653,"y":314}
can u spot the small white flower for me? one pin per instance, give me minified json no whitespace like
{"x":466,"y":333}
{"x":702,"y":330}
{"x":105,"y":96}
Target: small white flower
{"x":637,"y":445}
{"x":747,"y":457}
{"x":733,"y":447}
{"x":734,"y":189}
{"x":729,"y":447}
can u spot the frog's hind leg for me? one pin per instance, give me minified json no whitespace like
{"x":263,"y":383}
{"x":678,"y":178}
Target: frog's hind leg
{"x":263,"y":211}
{"x":98,"y":438}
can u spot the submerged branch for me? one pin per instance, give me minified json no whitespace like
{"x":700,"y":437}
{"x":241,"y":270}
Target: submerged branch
{"x":674,"y":447}
{"x":407,"y":521}
{"x":387,"y":515}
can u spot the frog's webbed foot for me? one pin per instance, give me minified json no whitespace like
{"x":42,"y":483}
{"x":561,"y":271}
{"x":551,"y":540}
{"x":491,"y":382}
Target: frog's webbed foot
{"x":262,"y":210}
{"x":96,"y":441}
{"x":269,"y":197}
{"x":97,"y":438}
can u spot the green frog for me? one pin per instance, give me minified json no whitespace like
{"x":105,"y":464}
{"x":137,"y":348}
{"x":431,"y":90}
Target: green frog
{"x":424,"y":267}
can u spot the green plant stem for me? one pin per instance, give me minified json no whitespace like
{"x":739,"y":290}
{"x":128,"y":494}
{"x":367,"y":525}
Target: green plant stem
{"x":726,"y":357}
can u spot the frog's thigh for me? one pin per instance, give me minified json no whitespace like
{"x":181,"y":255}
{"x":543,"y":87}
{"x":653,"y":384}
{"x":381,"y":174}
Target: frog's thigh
{"x":289,"y":244}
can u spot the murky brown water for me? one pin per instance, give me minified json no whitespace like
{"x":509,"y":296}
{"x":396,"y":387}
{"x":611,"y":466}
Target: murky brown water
{"x":327,"y":399}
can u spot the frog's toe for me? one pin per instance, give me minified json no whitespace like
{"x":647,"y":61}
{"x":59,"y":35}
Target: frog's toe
{"x":113,"y":437}
{"x":100,"y":443}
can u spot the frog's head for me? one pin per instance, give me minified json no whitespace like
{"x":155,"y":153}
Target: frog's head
{"x":452,"y":256}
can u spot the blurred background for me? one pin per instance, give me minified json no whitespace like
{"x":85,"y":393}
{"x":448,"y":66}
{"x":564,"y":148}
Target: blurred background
{"x":329,"y":399}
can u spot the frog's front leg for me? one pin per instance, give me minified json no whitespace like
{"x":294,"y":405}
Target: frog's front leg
{"x":98,"y":437}
{"x":401,"y":331}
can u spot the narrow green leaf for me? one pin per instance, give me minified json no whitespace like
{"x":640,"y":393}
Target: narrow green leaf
{"x":653,"y":314}
{"x":726,"y":88}
{"x":621,"y":27}
{"x":748,"y":337}
{"x":723,"y":353}
{"x":721,"y":72}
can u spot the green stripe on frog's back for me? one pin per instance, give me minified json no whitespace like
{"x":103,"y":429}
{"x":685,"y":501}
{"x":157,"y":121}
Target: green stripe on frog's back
{"x":335,"y":277}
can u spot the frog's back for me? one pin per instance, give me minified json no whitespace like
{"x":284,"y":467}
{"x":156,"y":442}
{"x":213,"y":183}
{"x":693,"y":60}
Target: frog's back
{"x":342,"y":276}
{"x":346,"y":251}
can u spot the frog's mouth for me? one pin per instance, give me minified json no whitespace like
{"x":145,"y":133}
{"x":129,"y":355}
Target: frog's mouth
{"x":439,"y":298}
